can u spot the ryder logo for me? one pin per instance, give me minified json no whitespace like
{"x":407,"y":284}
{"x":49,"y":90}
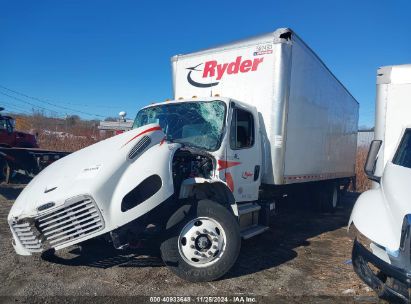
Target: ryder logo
{"x":217,"y":70}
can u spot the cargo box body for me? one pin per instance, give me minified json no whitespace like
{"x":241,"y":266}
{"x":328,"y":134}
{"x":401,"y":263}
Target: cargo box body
{"x":308,"y":119}
{"x":393,"y":108}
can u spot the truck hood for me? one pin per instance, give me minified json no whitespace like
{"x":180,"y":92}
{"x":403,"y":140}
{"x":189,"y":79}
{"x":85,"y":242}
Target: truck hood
{"x":25,"y":140}
{"x":379,"y":213}
{"x":92,"y":170}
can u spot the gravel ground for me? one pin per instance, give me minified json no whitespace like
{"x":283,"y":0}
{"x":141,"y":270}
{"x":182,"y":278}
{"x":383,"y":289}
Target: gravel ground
{"x":304,"y":257}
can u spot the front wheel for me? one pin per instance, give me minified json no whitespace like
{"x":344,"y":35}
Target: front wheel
{"x":202,"y":241}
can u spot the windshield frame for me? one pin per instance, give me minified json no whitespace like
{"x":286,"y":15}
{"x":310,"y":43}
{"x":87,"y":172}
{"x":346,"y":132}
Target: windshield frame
{"x":397,"y":159}
{"x":189,"y":144}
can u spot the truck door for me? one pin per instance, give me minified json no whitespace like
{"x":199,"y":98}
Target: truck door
{"x":243,"y":172}
{"x":397,"y":176}
{"x":6,"y":134}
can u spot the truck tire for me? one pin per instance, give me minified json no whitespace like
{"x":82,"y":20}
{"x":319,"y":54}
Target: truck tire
{"x":329,"y":197}
{"x":202,"y":241}
{"x":5,"y":171}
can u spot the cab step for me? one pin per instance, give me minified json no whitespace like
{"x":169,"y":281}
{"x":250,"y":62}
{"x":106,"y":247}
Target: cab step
{"x":253,"y":231}
{"x":247,"y":208}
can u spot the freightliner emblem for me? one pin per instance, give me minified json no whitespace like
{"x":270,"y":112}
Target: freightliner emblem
{"x":46,"y":206}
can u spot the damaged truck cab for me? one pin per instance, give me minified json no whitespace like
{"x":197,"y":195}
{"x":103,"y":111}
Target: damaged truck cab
{"x":251,"y":122}
{"x":171,"y":167}
{"x":381,"y":217}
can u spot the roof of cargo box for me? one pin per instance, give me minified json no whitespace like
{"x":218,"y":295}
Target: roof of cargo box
{"x":394,"y":74}
{"x":280,"y":35}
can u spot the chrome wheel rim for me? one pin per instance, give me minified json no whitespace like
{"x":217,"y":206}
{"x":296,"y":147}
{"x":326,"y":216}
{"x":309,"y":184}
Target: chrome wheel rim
{"x":202,"y":242}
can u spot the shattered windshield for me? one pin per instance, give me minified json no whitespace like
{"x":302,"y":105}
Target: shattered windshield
{"x":199,"y":124}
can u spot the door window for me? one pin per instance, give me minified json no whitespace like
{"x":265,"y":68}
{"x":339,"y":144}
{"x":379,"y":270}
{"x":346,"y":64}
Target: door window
{"x":242,"y":130}
{"x":3,"y":124}
{"x":9,"y":126}
{"x":403,"y":155}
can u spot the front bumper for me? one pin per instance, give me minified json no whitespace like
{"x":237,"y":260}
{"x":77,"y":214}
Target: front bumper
{"x":398,"y":292}
{"x":77,"y":219}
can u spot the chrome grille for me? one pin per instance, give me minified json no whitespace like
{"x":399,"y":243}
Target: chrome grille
{"x":77,"y":218}
{"x":71,"y":222}
{"x":139,"y":147}
{"x":27,"y":236}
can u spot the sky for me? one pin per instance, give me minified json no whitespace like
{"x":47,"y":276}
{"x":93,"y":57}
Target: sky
{"x":97,"y":58}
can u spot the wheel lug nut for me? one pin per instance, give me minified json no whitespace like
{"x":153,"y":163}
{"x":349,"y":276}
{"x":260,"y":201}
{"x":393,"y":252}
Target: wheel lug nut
{"x":205,"y":231}
{"x":214,"y":247}
{"x":210,"y":253}
{"x":192,"y":246}
{"x":198,"y":232}
{"x":203,"y":255}
{"x":193,"y":238}
{"x":196,"y":253}
{"x":215,"y":239}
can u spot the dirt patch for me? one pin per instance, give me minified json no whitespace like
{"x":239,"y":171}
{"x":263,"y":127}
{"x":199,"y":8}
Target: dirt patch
{"x":304,"y":254}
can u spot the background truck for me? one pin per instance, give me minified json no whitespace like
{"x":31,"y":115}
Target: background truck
{"x":9,"y":137}
{"x":382,"y":216}
{"x":19,"y":151}
{"x":251,"y":122}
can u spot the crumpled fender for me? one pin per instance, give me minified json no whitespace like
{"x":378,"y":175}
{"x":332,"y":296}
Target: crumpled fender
{"x":372,"y":218}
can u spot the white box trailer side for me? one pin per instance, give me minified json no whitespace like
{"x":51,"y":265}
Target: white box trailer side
{"x":322,"y":121}
{"x":309,"y":120}
{"x":393,"y":108}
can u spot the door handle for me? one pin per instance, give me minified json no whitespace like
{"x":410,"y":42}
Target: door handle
{"x":256,"y":172}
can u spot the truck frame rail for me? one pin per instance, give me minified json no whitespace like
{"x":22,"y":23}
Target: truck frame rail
{"x":29,"y":160}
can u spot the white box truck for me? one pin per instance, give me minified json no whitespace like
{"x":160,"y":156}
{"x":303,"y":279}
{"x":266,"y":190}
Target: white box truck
{"x":251,"y":122}
{"x":381,"y":218}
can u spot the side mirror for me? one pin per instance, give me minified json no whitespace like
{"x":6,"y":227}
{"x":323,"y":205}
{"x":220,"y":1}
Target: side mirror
{"x":369,"y":167}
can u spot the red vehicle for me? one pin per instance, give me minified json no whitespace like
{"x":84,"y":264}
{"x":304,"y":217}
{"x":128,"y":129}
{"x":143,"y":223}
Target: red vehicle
{"x":19,"y":151}
{"x":11,"y":138}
